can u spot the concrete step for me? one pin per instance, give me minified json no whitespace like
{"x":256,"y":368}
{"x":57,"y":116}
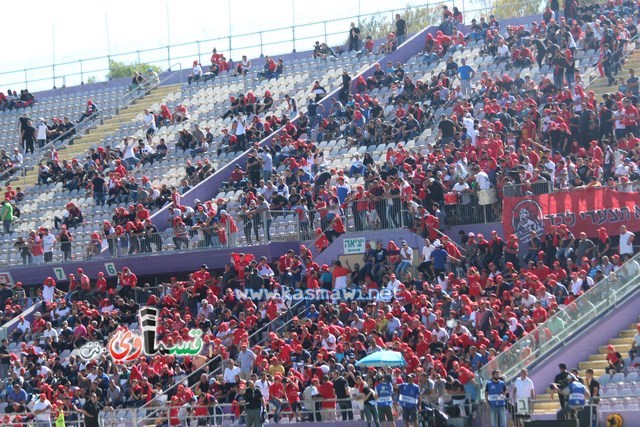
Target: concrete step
{"x":109,"y":126}
{"x":622,"y":349}
{"x":601,"y":364}
{"x":621,"y":341}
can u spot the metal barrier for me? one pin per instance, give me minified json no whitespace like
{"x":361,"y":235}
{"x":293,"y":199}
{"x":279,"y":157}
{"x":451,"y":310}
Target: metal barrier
{"x":528,"y":189}
{"x":317,"y":409}
{"x":610,"y":291}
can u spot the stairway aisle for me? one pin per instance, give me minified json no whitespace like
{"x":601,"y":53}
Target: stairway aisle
{"x":94,"y":136}
{"x":610,"y":385}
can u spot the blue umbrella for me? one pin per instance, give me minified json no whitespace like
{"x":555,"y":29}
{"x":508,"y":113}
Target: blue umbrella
{"x":382,"y":359}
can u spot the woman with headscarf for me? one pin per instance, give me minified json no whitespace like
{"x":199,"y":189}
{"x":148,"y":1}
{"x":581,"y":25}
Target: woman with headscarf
{"x":616,"y":362}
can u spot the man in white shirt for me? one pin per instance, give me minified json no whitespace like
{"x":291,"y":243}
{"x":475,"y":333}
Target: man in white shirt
{"x":61,"y":312}
{"x":528,"y":300}
{"x":150,"y":123}
{"x":49,"y":332}
{"x":48,"y":241}
{"x":263,"y":385}
{"x":328,"y":340}
{"x":425,"y":266}
{"x":17,"y":158}
{"x":42,"y":410}
{"x":484,"y":184}
{"x":503,"y":50}
{"x":129,"y":156}
{"x":406,"y":259}
{"x":42,"y":132}
{"x":240,"y":127}
{"x":523,"y":389}
{"x":626,"y":242}
{"x":461,"y":185}
{"x":230,"y":373}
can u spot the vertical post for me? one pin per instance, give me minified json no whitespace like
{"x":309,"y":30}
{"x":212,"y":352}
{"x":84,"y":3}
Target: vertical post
{"x":26,"y":79}
{"x":199,"y":55}
{"x":325,"y":31}
{"x":139,"y":61}
{"x":261,"y":46}
{"x":293,"y":25}
{"x":81,"y":73}
{"x":168,"y":57}
{"x":109,"y":65}
{"x":229,"y":18}
{"x":53,"y":53}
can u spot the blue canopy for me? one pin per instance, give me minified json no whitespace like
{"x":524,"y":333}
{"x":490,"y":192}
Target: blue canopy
{"x":382,"y":359}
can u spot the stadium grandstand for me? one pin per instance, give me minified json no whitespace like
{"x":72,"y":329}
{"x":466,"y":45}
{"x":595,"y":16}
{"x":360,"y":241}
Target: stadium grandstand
{"x":433,"y":227}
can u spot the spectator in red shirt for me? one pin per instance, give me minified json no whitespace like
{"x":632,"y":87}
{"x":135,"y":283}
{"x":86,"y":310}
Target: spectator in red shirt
{"x":128,"y":281}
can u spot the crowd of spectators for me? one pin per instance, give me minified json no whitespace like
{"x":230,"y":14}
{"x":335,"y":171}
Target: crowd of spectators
{"x":466,"y":301}
{"x":12,"y":101}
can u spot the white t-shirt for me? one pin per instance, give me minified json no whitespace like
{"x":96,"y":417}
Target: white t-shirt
{"x":48,"y":240}
{"x":239,"y":126}
{"x":149,"y":121}
{"x":51,"y":333}
{"x":46,"y":406}
{"x":523,"y":387}
{"x":483,"y":181}
{"x":230,"y":374}
{"x":47,"y":293}
{"x":42,"y":131}
{"x":263,"y":386}
{"x":626,"y":243}
{"x":128,"y":152}
{"x":426,"y":253}
{"x":406,"y":253}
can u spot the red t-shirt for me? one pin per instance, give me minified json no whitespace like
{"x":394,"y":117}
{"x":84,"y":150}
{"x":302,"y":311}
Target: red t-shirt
{"x":129,"y":280}
{"x":328,"y":394}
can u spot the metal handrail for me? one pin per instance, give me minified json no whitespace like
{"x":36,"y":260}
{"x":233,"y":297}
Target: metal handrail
{"x":125,"y":100}
{"x":613,"y":289}
{"x":258,"y":44}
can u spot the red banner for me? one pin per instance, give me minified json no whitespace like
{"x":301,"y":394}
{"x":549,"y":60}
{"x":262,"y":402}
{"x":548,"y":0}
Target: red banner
{"x":580,"y":209}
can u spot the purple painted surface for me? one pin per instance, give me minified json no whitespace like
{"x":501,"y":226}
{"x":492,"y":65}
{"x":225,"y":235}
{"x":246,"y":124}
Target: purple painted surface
{"x":164,"y":263}
{"x":585,"y":343}
{"x":337,"y":248}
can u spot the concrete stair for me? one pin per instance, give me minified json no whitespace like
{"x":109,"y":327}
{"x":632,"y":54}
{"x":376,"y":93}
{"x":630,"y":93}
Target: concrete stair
{"x":597,"y":362}
{"x":601,"y":85}
{"x":110,"y":125}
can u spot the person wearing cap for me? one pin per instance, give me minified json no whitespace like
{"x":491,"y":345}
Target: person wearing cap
{"x":253,"y":403}
{"x":42,"y":410}
{"x":575,"y":394}
{"x":495,"y":397}
{"x":409,"y":399}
